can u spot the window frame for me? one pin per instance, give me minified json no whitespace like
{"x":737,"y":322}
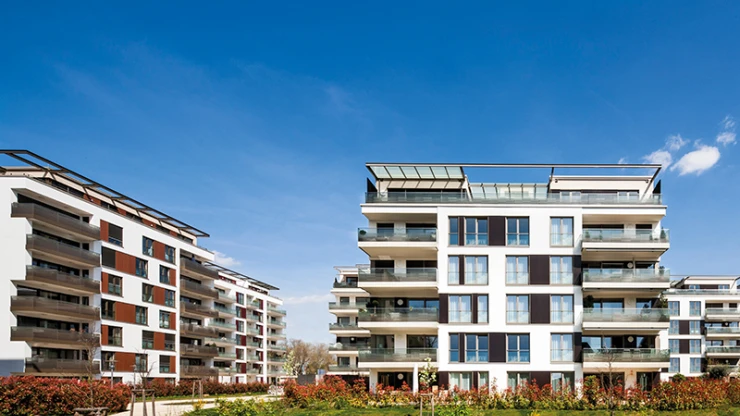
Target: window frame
{"x":568,"y":241}
{"x":563,"y":313}
{"x":567,"y":379}
{"x":568,"y":280}
{"x":692,"y":367}
{"x":520,"y":381}
{"x":147,"y":293}
{"x":454,"y":348}
{"x":147,"y":246}
{"x":694,"y":331}
{"x":107,"y":305}
{"x":138,"y":314}
{"x":170,"y":258}
{"x":164,"y":278}
{"x":480,"y":354}
{"x":674,"y":342}
{"x":516,"y":273}
{"x":562,"y":337}
{"x":460,"y":311}
{"x":677,"y":368}
{"x":673,"y":327}
{"x":111,"y":284}
{"x":476,"y":261}
{"x":477,"y":233}
{"x":671,"y":304}
{"x":518,"y":350}
{"x":482,"y":312}
{"x":170,"y":298}
{"x":141,"y":271}
{"x":112,"y":330}
{"x":519,"y":235}
{"x":692,"y":343}
{"x":694,"y":308}
{"x":517,"y":311}
{"x":113,"y":240}
{"x":166,"y":321}
{"x":454,"y":236}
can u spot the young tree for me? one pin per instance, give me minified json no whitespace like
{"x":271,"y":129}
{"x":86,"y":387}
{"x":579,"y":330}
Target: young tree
{"x":427,"y":374}
{"x":90,"y":348}
{"x":306,"y":358}
{"x":319,"y":358}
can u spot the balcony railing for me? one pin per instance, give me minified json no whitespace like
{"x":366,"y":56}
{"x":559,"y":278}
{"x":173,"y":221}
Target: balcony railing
{"x":276,"y":347}
{"x":626,"y":275}
{"x":253,"y":331}
{"x":225,"y":310}
{"x":228,"y":355}
{"x":61,"y":366}
{"x":253,"y":344}
{"x":57,"y":278}
{"x":625,"y":315}
{"x":553,"y":198}
{"x":398,"y":275}
{"x":198,"y":371}
{"x":279,"y":324}
{"x":399,"y":315}
{"x":196,"y":309}
{"x":336,"y":326}
{"x":62,"y":250}
{"x":723,"y":330}
{"x":723,"y":350}
{"x":345,"y":284}
{"x":620,"y":235}
{"x":621,"y":355}
{"x":722,"y":312}
{"x":396,"y":355}
{"x":336,"y":305}
{"x":198,"y":330}
{"x":188,"y":287}
{"x":226,"y":297}
{"x":193,"y":268}
{"x":343,"y":367}
{"x":390,"y":234}
{"x":198,"y":350}
{"x":275,"y":335}
{"x":703,"y":292}
{"x":347,"y":347}
{"x":221,"y":340}
{"x":276,"y":359}
{"x":31,"y":304}
{"x":32,"y":334}
{"x":276,"y":310}
{"x":56,"y":219}
{"x":224,"y":325}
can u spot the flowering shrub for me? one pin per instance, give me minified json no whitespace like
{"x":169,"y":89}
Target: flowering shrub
{"x":49,"y":396}
{"x":185,"y":388}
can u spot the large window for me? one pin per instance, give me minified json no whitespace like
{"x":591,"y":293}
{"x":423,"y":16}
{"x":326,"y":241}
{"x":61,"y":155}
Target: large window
{"x":561,"y":309}
{"x":476,"y":270}
{"x":461,"y":380}
{"x":561,"y":381}
{"x":108,"y":309}
{"x":141,"y":267}
{"x":454,"y":348}
{"x":453,"y":270}
{"x":147,"y":293}
{"x":517,"y":231}
{"x":695,"y":365}
{"x":476,"y":231}
{"x":115,"y":336}
{"x":674,"y":308}
{"x":141,"y":363}
{"x":482,"y":309}
{"x":147,"y":246}
{"x":517,"y":270}
{"x":164,"y":319}
{"x":454,"y":232}
{"x":164,"y":275}
{"x":164,"y":364}
{"x":147,"y":340}
{"x":695,"y":327}
{"x":460,"y":309}
{"x":673,"y":328}
{"x":476,"y":348}
{"x":108,"y":257}
{"x":561,"y":347}
{"x":675,"y":366}
{"x":115,"y":285}
{"x":515,"y":380}
{"x":115,"y":234}
{"x":517,"y":309}
{"x":169,"y":254}
{"x":141,"y":315}
{"x":695,"y":346}
{"x":517,"y":348}
{"x":169,"y":298}
{"x":561,"y":232}
{"x":674,"y":346}
{"x":561,"y":270}
{"x":694,"y":308}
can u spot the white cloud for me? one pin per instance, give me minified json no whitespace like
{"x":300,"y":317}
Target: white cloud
{"x":675,"y":142}
{"x":726,"y":137}
{"x":226,"y":261}
{"x":659,"y":157}
{"x":296,"y":300}
{"x":728,"y":123}
{"x":697,"y":161}
{"x":622,"y":161}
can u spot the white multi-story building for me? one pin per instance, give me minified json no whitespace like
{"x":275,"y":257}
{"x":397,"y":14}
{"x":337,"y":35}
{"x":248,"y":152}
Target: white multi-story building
{"x":97,"y":282}
{"x":549,"y":281}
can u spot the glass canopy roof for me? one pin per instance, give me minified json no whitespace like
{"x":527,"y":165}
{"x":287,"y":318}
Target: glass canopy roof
{"x":417,"y":172}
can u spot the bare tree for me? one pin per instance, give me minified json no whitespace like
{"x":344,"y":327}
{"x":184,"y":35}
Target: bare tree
{"x":306,"y":358}
{"x":609,"y":356}
{"x":90,"y":347}
{"x":301,"y":353}
{"x":319,"y":358}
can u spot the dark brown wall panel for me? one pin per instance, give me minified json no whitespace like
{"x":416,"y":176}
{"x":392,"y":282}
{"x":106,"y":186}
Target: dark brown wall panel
{"x":125,"y":361}
{"x":461,"y":343}
{"x":125,"y":312}
{"x":159,"y":295}
{"x":683,"y":327}
{"x":497,"y":347}
{"x":541,"y":377}
{"x":577,"y":347}
{"x":443,"y":308}
{"x":460,"y":231}
{"x":539,"y":270}
{"x":104,"y":282}
{"x":443,"y":379}
{"x":159,"y":250}
{"x":103,"y":231}
{"x":159,"y":340}
{"x":577,"y":271}
{"x":103,"y":334}
{"x":683,"y":346}
{"x":496,"y":231}
{"x":539,"y":305}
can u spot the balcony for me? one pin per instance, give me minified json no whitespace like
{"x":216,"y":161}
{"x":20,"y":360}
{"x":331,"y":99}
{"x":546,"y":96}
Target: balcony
{"x":395,"y":358}
{"x":625,"y":280}
{"x":221,"y":341}
{"x":723,"y":352}
{"x":58,"y":252}
{"x":274,"y":359}
{"x":197,"y":290}
{"x":226,"y":297}
{"x":274,"y":310}
{"x":723,"y":332}
{"x":225,"y":312}
{"x":252,"y":305}
{"x":544,"y":198}
{"x":53,"y":280}
{"x":57,"y":222}
{"x":271,"y":347}
{"x":194,"y":309}
{"x":722,"y":315}
{"x":252,"y":344}
{"x":253,"y":331}
{"x":382,"y":281}
{"x":625,"y":358}
{"x":352,"y":284}
{"x":411,"y":319}
{"x":222,"y":325}
{"x":275,"y":335}
{"x":61,"y":367}
{"x":191,"y":350}
{"x":637,"y":321}
{"x":348,"y":329}
{"x":344,"y":368}
{"x":347,"y":348}
{"x":194,"y":269}
{"x":404,"y":243}
{"x":712,"y":294}
{"x":197,"y":330}
{"x":53,"y":309}
{"x":51,"y":338}
{"x":254,"y":371}
{"x":350,"y":308}
{"x":191,"y":371}
{"x":226,"y":356}
{"x":272,"y":323}
{"x":607,"y":244}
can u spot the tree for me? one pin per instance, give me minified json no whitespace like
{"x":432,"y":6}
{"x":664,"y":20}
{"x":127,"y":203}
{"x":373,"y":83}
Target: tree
{"x":427,"y":374}
{"x":319,"y":358}
{"x":306,"y":358}
{"x":90,"y":348}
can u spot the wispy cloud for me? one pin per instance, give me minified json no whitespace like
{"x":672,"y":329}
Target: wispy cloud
{"x":727,"y":135}
{"x":225,"y":260}
{"x":297,"y":300}
{"x":659,"y":157}
{"x":697,"y":161}
{"x":675,"y":142}
{"x":728,"y":123}
{"x":622,"y":161}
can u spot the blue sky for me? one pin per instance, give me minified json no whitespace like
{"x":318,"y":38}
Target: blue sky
{"x":254,"y":122}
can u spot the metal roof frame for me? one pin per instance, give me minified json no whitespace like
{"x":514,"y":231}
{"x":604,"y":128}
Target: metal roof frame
{"x":238,"y":275}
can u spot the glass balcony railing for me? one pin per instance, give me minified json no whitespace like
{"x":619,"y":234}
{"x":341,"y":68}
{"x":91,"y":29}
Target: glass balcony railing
{"x":722,"y":312}
{"x":339,"y":305}
{"x":276,"y":359}
{"x":192,"y":268}
{"x":252,"y":344}
{"x":229,"y":355}
{"x":724,"y":350}
{"x":61,"y":365}
{"x":225,"y":310}
{"x":198,"y":330}
{"x":390,"y":234}
{"x":398,"y":355}
{"x":275,"y":310}
{"x":224,"y":325}
{"x":704,"y":292}
{"x":543,"y":198}
{"x":62,"y":250}
{"x":253,"y":331}
{"x":343,"y":367}
{"x":276,"y":323}
{"x":198,"y":289}
{"x":347,"y":326}
{"x":198,"y":350}
{"x":626,"y":275}
{"x":427,"y":274}
{"x":723,"y":330}
{"x":221,"y":340}
{"x":399,"y":315}
{"x":196,"y":309}
{"x":345,"y":284}
{"x":226,"y":297}
{"x":621,"y":355}
{"x":56,"y":219}
{"x":198,"y":371}
{"x":596,"y":235}
{"x":33,"y":304}
{"x":276,"y":347}
{"x":347,"y":347}
{"x":53,"y":277}
{"x":625,"y":315}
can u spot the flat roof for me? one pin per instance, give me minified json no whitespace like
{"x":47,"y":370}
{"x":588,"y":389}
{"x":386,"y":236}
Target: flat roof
{"x":237,"y":275}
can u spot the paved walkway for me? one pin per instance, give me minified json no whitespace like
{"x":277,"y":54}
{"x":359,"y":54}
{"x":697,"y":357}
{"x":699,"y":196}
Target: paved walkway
{"x":171,"y":408}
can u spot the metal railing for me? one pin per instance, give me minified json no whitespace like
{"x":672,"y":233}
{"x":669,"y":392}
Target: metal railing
{"x":722,"y":311}
{"x":198,"y":330}
{"x":188,"y":266}
{"x":723,"y":330}
{"x":46,"y":215}
{"x":625,"y":315}
{"x":627,"y":236}
{"x":390,"y":234}
{"x":224,"y":325}
{"x":336,"y":326}
{"x":194,"y":308}
{"x":621,"y":355}
{"x":198,"y":371}
{"x":55,"y":277}
{"x":187,"y":286}
{"x":723,"y":350}
{"x":61,"y":365}
{"x":427,"y":274}
{"x":545,"y":198}
{"x":626,"y":275}
{"x":705,"y":292}
{"x":399,"y":315}
{"x":199,"y":350}
{"x":56,"y":307}
{"x":336,"y":305}
{"x":51,"y":335}
{"x":398,"y":355}
{"x":57,"y":248}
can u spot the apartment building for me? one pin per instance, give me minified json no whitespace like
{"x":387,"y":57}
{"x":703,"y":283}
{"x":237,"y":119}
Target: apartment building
{"x":350,"y":337}
{"x":95,"y":282}
{"x":506,"y":280}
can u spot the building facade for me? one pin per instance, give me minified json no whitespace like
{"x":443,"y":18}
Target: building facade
{"x":509,"y":282}
{"x":97,"y":283}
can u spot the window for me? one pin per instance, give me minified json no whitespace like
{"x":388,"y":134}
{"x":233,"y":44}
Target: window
{"x":115,"y":285}
{"x":694,"y":287}
{"x":483,"y":380}
{"x":561,"y":309}
{"x":517,"y":270}
{"x":482,"y":309}
{"x":164,"y":275}
{"x":115,"y":336}
{"x":674,"y":308}
{"x":147,"y":293}
{"x":141,"y":363}
{"x":169,"y":342}
{"x":723,"y":287}
{"x":460,"y":380}
{"x":476,"y":270}
{"x":147,"y":340}
{"x":517,"y":231}
{"x":673,"y":345}
{"x":240,"y":298}
{"x":141,"y":315}
{"x":695,"y":346}
{"x":169,"y":254}
{"x":561,"y":270}
{"x":115,"y":235}
{"x":108,"y":309}
{"x":694,"y":327}
{"x":454,"y":232}
{"x":169,"y":298}
{"x":694,"y":308}
{"x":454,"y":348}
{"x":147,"y":246}
{"x":517,"y":309}
{"x":141,"y":267}
{"x":460,"y":309}
{"x":164,"y":364}
{"x":108,"y":257}
{"x":515,"y":380}
{"x":673,"y":328}
{"x":517,"y":348}
{"x":453,"y":270}
{"x":476,"y":348}
{"x":675,"y":366}
{"x":476,"y":231}
{"x":695,"y":365}
{"x":561,"y":232}
{"x":561,"y":347}
{"x":561,"y":381}
{"x":164,"y":319}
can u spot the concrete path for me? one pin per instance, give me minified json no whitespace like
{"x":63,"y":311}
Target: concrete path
{"x":171,"y":408}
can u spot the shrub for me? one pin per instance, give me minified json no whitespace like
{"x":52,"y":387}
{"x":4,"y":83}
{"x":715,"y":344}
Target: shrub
{"x":162,"y":388}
